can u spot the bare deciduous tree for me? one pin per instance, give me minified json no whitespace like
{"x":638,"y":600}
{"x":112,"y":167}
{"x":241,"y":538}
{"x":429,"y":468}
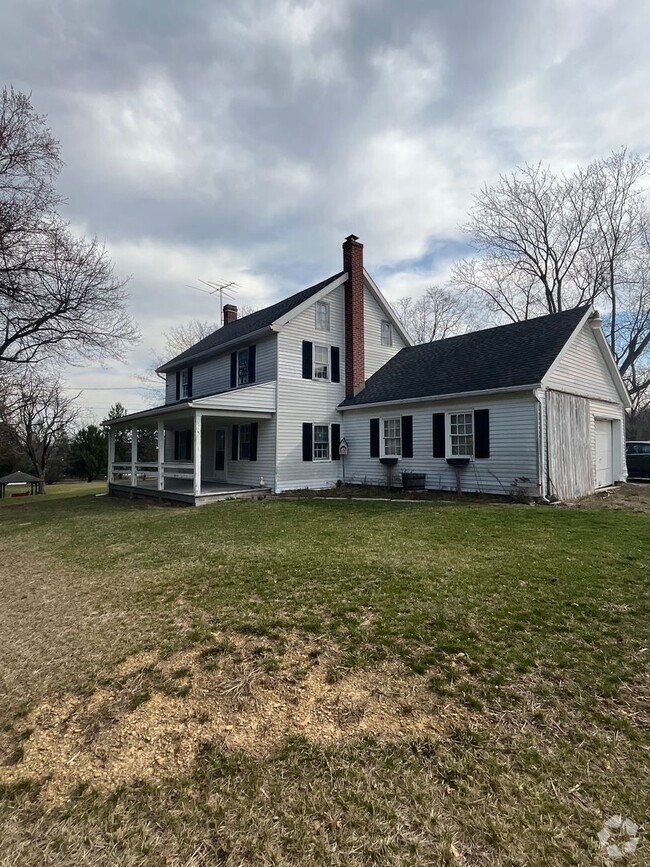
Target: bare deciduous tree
{"x":58,"y":294}
{"x":437,"y":314}
{"x":549,"y":242}
{"x":37,"y":413}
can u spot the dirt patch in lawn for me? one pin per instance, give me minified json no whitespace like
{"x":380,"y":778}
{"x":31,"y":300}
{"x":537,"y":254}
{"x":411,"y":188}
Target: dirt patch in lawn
{"x":630,"y":497}
{"x":153,"y":719}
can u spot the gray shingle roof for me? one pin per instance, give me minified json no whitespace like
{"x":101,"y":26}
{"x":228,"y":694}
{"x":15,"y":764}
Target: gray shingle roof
{"x":503,"y":357}
{"x":240,"y":328}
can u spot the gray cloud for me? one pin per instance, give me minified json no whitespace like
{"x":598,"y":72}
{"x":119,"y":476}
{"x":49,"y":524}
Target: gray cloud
{"x":246,"y":139}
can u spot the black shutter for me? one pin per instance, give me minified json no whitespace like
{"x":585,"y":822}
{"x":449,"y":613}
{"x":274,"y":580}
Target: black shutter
{"x":481,"y":433}
{"x":374,"y":437}
{"x":178,"y":385}
{"x":253,"y":456}
{"x":189,"y":381}
{"x":177,"y":445}
{"x":438,"y":434}
{"x":336,"y":439}
{"x":234,"y":450}
{"x":233,"y":370}
{"x":407,"y":436}
{"x":189,"y":445}
{"x":336,"y":364}
{"x":251,"y":364}
{"x":307,"y":368}
{"x":307,"y":441}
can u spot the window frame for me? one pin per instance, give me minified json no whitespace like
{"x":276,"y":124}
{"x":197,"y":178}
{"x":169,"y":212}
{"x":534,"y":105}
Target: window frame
{"x":389,"y":332}
{"x":245,"y":354}
{"x":382,"y":436}
{"x":320,"y":459}
{"x":450,"y":434}
{"x":184,"y":390}
{"x":321,"y":306}
{"x":315,"y":363}
{"x":243,"y":441}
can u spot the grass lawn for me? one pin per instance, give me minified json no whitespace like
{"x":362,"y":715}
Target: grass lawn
{"x":316,"y":682}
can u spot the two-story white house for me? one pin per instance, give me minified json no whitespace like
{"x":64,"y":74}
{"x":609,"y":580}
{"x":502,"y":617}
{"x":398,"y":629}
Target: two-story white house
{"x":265,"y":401}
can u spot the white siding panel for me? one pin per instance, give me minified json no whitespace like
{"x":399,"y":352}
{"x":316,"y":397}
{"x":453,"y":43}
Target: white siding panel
{"x":513,"y":445}
{"x":376,"y":355}
{"x":583,"y":370}
{"x":213,"y":375}
{"x":254,"y":398}
{"x":304,"y":400}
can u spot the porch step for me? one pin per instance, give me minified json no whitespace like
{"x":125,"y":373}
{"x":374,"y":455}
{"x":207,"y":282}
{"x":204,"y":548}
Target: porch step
{"x":186,"y":498}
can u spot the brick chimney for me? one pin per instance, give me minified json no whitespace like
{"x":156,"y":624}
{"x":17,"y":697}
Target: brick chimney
{"x":229,"y":313}
{"x":354,"y":333}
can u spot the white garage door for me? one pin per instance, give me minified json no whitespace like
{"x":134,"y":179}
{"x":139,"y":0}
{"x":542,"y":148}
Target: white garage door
{"x":604,"y":456}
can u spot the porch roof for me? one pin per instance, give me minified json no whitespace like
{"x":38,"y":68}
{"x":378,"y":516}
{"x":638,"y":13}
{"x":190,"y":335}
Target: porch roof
{"x":253,"y":401}
{"x":170,"y":411}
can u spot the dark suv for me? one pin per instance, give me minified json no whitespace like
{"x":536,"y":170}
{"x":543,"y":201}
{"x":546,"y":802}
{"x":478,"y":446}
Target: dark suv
{"x":638,"y":459}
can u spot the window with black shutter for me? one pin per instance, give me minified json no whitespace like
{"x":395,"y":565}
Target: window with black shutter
{"x":307,"y":441}
{"x":374,"y":437}
{"x":439,"y":445}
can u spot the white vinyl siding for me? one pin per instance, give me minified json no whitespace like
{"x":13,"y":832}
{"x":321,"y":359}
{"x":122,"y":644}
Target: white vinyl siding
{"x":513,"y":445}
{"x":306,"y":400}
{"x":213,"y":375}
{"x":582,"y":369}
{"x":376,"y":353}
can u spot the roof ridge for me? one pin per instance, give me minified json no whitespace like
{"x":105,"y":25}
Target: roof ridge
{"x":520,"y":322}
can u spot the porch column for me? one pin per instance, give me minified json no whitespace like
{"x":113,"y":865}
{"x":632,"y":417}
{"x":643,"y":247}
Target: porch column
{"x":197,"y":454}
{"x":134,"y":455}
{"x":111,"y":454}
{"x":161,"y":454}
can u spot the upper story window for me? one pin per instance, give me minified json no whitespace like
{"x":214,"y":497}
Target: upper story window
{"x":243,"y":367}
{"x":392,"y":437}
{"x":321,"y":362}
{"x":461,"y":433}
{"x":322,"y":316}
{"x":386,"y":333}
{"x":185,"y":383}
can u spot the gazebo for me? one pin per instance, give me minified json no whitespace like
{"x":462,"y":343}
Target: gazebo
{"x":20,"y":478}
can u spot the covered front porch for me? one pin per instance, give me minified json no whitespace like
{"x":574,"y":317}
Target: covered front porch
{"x":191,"y":454}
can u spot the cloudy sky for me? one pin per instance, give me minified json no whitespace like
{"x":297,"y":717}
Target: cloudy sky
{"x":208,"y":139}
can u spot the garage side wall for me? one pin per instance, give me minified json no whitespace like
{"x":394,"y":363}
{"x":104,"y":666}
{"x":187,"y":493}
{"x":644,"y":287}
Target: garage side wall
{"x":568,"y":445}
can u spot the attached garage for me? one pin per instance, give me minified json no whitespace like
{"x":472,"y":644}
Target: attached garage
{"x":604,"y":453}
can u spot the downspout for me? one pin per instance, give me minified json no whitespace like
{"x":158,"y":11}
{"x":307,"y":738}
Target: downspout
{"x":542,"y":449}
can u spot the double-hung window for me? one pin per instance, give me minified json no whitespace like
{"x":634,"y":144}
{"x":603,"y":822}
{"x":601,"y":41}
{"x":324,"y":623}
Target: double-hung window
{"x":322,"y":316}
{"x":244,"y":442}
{"x":185,"y":383}
{"x":392,"y":437}
{"x":243,"y":372}
{"x":386,"y":333}
{"x":461,"y":433}
{"x":321,"y":442}
{"x":321,"y":362}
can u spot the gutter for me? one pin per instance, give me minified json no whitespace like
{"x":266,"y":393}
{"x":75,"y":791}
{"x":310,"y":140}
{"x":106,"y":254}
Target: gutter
{"x":214,"y":350}
{"x":437,"y":397}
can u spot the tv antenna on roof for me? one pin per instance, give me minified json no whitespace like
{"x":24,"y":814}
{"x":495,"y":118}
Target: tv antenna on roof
{"x":227,"y":288}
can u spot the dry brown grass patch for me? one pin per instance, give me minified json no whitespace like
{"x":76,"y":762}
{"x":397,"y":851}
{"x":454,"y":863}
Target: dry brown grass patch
{"x":227,"y":699}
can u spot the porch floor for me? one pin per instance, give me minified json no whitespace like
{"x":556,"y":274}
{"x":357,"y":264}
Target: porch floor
{"x":181,"y":490}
